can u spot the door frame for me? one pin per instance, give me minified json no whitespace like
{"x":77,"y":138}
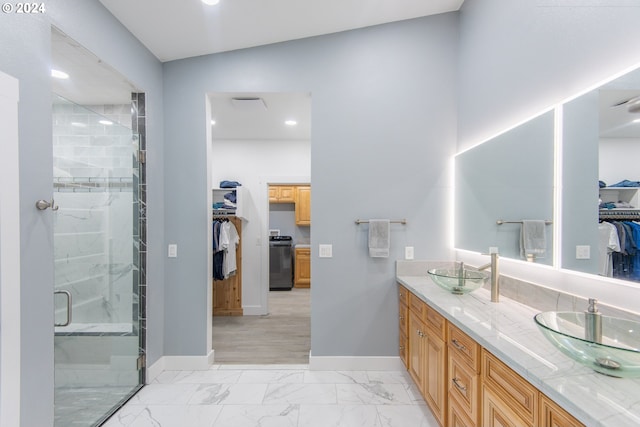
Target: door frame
{"x":10,"y":329}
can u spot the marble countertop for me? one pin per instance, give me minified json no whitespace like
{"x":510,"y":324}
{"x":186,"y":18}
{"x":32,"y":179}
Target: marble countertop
{"x":507,"y":330}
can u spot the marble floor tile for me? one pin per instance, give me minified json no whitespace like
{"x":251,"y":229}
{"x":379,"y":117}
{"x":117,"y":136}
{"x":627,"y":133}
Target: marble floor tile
{"x":372,"y":394}
{"x":276,"y":396}
{"x":301,"y":393}
{"x":339,"y":416}
{"x":258,"y":416}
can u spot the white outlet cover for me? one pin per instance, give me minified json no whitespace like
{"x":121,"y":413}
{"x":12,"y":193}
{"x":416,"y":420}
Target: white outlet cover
{"x":583,"y":252}
{"x":408,"y":252}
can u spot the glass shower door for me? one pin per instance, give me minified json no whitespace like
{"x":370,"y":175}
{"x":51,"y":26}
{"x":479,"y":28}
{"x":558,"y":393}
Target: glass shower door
{"x":97,"y":342}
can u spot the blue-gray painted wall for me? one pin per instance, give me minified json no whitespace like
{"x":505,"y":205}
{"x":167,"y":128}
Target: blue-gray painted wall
{"x":383,"y":131}
{"x":25,"y":53}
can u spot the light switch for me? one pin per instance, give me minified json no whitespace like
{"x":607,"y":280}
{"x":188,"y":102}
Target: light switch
{"x":173,"y":250}
{"x":325,"y":251}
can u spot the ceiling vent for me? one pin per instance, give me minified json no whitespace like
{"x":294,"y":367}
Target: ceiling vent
{"x":248,"y":103}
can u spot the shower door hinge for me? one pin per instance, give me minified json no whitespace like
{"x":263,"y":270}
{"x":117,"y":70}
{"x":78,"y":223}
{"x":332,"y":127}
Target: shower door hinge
{"x":142,"y":156}
{"x":141,"y":362}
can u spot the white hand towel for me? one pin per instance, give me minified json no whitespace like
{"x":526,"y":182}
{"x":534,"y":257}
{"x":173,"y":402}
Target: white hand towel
{"x":379,"y":231}
{"x":533,"y":239}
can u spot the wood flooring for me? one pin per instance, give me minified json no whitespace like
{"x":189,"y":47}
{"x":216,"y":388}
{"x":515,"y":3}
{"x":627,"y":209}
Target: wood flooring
{"x":281,"y":337}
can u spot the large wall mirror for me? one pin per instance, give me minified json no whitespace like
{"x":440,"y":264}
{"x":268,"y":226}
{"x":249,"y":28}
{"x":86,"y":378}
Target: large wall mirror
{"x":511,"y":177}
{"x":508,"y":178}
{"x":601,"y":152}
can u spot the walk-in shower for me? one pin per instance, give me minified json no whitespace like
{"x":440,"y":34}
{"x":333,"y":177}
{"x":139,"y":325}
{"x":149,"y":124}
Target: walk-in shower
{"x":96,"y":255}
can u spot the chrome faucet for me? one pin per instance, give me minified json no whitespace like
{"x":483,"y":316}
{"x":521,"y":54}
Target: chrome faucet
{"x":495,"y":285}
{"x":593,"y":322}
{"x":461,"y":274}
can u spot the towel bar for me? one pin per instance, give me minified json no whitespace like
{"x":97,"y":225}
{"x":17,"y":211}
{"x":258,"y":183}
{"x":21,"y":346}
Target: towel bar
{"x":501,"y":221}
{"x":394,"y":221}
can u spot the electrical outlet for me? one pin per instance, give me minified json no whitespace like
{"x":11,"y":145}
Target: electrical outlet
{"x":173,"y":251}
{"x":493,"y":249}
{"x":408,"y":252}
{"x":325,"y":251}
{"x":583,"y":252}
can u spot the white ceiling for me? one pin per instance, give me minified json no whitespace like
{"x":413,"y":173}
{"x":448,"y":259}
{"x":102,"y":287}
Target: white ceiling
{"x":261,"y":119}
{"x":175,"y":29}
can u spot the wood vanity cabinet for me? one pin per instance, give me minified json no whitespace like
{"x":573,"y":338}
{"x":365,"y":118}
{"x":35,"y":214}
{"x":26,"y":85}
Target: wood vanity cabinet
{"x":403,"y":320}
{"x":551,"y":415}
{"x":506,"y":396}
{"x":282,"y":194}
{"x":427,"y":355}
{"x":302,"y":268}
{"x":463,"y":383}
{"x":303,"y":204}
{"x":464,"y":379}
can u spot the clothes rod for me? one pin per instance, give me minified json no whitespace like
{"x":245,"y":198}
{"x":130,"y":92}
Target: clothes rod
{"x":394,"y":221}
{"x":501,"y":221}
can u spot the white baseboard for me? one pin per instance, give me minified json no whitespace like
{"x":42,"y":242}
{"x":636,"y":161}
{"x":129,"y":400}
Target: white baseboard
{"x":355,"y":363}
{"x":179,"y":363}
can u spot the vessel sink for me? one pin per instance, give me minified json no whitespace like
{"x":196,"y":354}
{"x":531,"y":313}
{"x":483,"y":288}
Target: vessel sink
{"x":616,"y":351}
{"x":458,"y":281}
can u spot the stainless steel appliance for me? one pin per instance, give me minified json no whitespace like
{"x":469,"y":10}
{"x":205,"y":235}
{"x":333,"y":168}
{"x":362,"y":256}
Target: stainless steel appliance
{"x":280,"y":263}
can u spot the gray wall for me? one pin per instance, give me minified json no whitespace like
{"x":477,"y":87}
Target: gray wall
{"x":383,"y":132}
{"x":25,"y":53}
{"x":518,"y":57}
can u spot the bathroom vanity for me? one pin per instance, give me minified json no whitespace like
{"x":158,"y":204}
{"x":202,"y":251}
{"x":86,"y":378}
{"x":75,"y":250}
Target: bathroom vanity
{"x":479,"y":363}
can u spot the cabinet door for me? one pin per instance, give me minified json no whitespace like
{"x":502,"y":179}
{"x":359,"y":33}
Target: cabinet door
{"x":303,"y":205}
{"x":281,"y":194}
{"x":287,"y":194}
{"x":302,"y":273}
{"x":417,"y":344}
{"x":403,"y":323}
{"x":435,"y":386}
{"x":551,"y":415}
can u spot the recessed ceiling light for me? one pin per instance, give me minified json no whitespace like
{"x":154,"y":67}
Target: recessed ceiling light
{"x":290,"y":123}
{"x":105,"y":122}
{"x":59,"y":74}
{"x":213,"y":122}
{"x":211,"y":2}
{"x":78,"y":124}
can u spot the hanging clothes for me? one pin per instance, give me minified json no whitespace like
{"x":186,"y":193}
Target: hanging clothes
{"x":621,"y":260}
{"x":225,"y":244}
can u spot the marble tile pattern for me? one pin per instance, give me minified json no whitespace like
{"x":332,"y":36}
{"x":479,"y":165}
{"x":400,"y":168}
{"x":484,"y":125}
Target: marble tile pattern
{"x":276,"y":396}
{"x":507,"y":330}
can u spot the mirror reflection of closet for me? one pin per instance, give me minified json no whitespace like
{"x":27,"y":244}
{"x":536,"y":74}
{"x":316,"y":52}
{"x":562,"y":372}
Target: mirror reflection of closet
{"x":601,"y":142}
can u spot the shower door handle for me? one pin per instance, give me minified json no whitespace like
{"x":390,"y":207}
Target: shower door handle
{"x":68,"y":295}
{"x":43,"y":204}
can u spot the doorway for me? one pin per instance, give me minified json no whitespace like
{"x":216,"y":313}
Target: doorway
{"x":251,"y":143}
{"x":98,"y":236}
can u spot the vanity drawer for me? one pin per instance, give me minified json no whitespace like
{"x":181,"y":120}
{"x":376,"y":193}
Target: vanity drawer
{"x":464,"y":387}
{"x":514,"y":390}
{"x":463,"y":348}
{"x":436,"y":323}
{"x":417,"y":307}
{"x":403,"y":295}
